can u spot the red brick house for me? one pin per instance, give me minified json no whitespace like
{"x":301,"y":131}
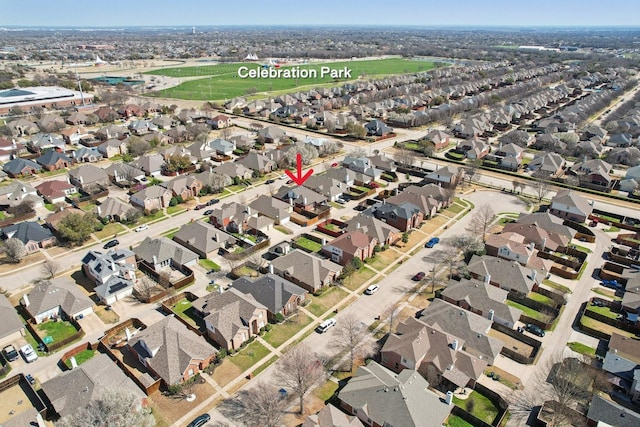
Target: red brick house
{"x":220,"y":122}
{"x":354,"y":244}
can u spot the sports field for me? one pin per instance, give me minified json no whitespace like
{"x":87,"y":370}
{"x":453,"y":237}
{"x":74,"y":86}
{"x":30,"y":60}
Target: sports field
{"x":222,"y":81}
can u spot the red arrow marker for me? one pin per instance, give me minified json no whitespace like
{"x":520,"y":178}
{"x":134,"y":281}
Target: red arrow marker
{"x":300,"y":178}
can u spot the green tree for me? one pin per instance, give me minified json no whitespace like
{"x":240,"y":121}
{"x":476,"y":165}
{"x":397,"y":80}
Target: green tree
{"x":355,"y":130}
{"x":177,"y":162}
{"x":76,"y":227}
{"x":405,"y":237}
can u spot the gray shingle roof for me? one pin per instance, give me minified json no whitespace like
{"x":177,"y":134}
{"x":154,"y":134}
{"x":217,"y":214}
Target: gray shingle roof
{"x":75,"y":389}
{"x":611,"y":413}
{"x":87,"y":174}
{"x":59,"y":292}
{"x":508,"y":274}
{"x":163,"y":249}
{"x":202,"y":236}
{"x":9,"y":320}
{"x":406,"y":402}
{"x":172,"y":348}
{"x":269,"y":290}
{"x":305,"y":268}
{"x":16,"y":166}
{"x":371,"y":226}
{"x":270,"y":207}
{"x":29,"y":231}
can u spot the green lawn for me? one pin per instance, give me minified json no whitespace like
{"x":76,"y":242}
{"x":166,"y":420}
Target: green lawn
{"x":482,"y":407}
{"x":326,"y":390}
{"x":170,"y":233}
{"x":265,"y":365}
{"x":223,"y":81}
{"x":556,"y":286}
{"x":603,"y":327}
{"x":328,"y":299}
{"x":283,"y":229}
{"x":172,"y":210}
{"x":336,"y":205}
{"x":250,"y":237}
{"x":582,"y":349}
{"x":50,"y":207}
{"x":605,"y":311}
{"x":308,"y":244}
{"x":456,"y":421}
{"x":285,"y":330}
{"x":149,"y":218}
{"x":184,"y":309}
{"x":208,"y":264}
{"x":357,"y":279}
{"x":56,"y":330}
{"x":612,"y":229}
{"x":81,"y":357}
{"x":529,"y":311}
{"x":456,"y":209}
{"x":582,"y":249}
{"x":249,"y":356}
{"x":606,"y":293}
{"x":542,"y":299}
{"x":109,"y":230}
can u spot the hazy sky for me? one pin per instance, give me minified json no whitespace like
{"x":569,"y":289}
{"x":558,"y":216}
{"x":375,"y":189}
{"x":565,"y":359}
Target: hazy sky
{"x":320,"y":12}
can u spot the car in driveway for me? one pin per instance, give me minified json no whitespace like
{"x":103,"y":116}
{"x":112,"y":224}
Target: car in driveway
{"x":333,"y":165}
{"x":613,"y":284}
{"x":372,"y":289}
{"x":111,"y":244}
{"x":534,"y":329}
{"x":10,"y":353}
{"x":200,"y":420}
{"x":419,"y":276}
{"x":326,"y":325}
{"x":28,"y":353}
{"x":208,"y":212}
{"x":142,"y":228}
{"x":432,"y":242}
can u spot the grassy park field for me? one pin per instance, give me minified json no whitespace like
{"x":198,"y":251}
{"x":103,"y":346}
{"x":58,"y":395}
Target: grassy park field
{"x":221,"y":81}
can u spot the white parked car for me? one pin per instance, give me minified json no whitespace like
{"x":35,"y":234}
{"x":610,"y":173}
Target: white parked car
{"x":326,"y":325}
{"x":372,"y":289}
{"x":141,"y":228}
{"x":28,"y":353}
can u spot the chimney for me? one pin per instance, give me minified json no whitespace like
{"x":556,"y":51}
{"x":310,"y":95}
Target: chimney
{"x":544,"y":243}
{"x":533,"y":275}
{"x":215,"y":237}
{"x":270,"y":268}
{"x":304,"y":201}
{"x":454,"y":345}
{"x":99,"y":210}
{"x":357,"y":226}
{"x":490,"y":316}
{"x":449,"y":398}
{"x":155,"y":260}
{"x":127,"y":334}
{"x":487,"y":278}
{"x":74,"y":364}
{"x":113,"y":265}
{"x":25,"y":300}
{"x":532,"y":246}
{"x":248,"y":211}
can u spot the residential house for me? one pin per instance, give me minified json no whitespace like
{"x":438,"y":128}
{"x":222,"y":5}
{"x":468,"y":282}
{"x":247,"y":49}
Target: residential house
{"x":619,"y":140}
{"x":113,"y":147}
{"x":301,"y":197}
{"x":185,"y":186}
{"x":482,"y":299}
{"x":438,"y":139}
{"x":505,"y":274}
{"x":88,"y":178}
{"x":234,"y":171}
{"x":33,"y":235}
{"x":446,"y":176}
{"x":53,"y":160}
{"x":468,"y":128}
{"x":231,"y":318}
{"x":203,"y":238}
{"x":153,"y":197}
{"x":106,"y":114}
{"x":131,"y":110}
{"x":380,"y":397}
{"x":384,"y":233}
{"x":435,"y":354}
{"x":404,"y":216}
{"x":163,"y":122}
{"x":276,"y":293}
{"x":306,"y":270}
{"x":77,"y":118}
{"x":243,"y":142}
{"x":11,"y":326}
{"x":546,"y":231}
{"x":593,"y":174}
{"x":330,"y":416}
{"x":474,"y":148}
{"x":331,"y":188}
{"x":232,"y":217}
{"x":160,"y":253}
{"x":442,"y":195}
{"x":142,"y":127}
{"x":10,"y":149}
{"x":362,"y":165}
{"x":509,"y":246}
{"x":343,"y":175}
{"x":222,"y":147}
{"x":17,"y":192}
{"x":271,"y":134}
{"x":377,"y":128}
{"x":547,"y":165}
{"x":73,"y":390}
{"x":622,"y":361}
{"x":382,"y":162}
{"x":55,"y":191}
{"x":22,"y":127}
{"x":19,"y":167}
{"x":86,"y":155}
{"x":56,"y":298}
{"x":605,"y":412}
{"x":277,"y":210}
{"x":213,"y":181}
{"x":428,"y":205}
{"x":258,"y":163}
{"x":150,"y":164}
{"x":172,"y":351}
{"x":113,"y":273}
{"x":220,"y":122}
{"x":53,"y":220}
{"x":509,"y":156}
{"x":469,"y":327}
{"x":46,"y":141}
{"x":123,"y":173}
{"x":350,"y":245}
{"x":202,"y":150}
{"x":73,"y":134}
{"x":113,"y":209}
{"x":569,"y":205}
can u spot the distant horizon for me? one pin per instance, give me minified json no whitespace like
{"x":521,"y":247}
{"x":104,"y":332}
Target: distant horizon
{"x":332,"y":13}
{"x":189,"y":26}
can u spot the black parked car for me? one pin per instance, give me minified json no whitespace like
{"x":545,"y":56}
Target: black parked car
{"x":200,"y":420}
{"x":10,"y":353}
{"x":111,"y":244}
{"x":212,"y":202}
{"x":535,"y":330}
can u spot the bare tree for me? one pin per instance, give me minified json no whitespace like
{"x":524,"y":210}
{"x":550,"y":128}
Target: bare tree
{"x":352,"y":335}
{"x":469,"y":244}
{"x":50,"y":268}
{"x":299,"y":371}
{"x":14,"y":249}
{"x":226,"y":133}
{"x":392,"y":314}
{"x":450,"y":258}
{"x":262,"y":405}
{"x":164,"y":279}
{"x":255,"y":126}
{"x":115,"y":407}
{"x":357,"y":152}
{"x":472,"y":169}
{"x":144,"y":289}
{"x":405,"y":157}
{"x":541,"y":188}
{"x":256,"y":258}
{"x":481,"y":221}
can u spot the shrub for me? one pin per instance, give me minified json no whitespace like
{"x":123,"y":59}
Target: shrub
{"x":153,"y":211}
{"x":268,"y":327}
{"x":222,"y":353}
{"x":262,"y":330}
{"x":173,"y":201}
{"x":357,"y":263}
{"x":279,"y":317}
